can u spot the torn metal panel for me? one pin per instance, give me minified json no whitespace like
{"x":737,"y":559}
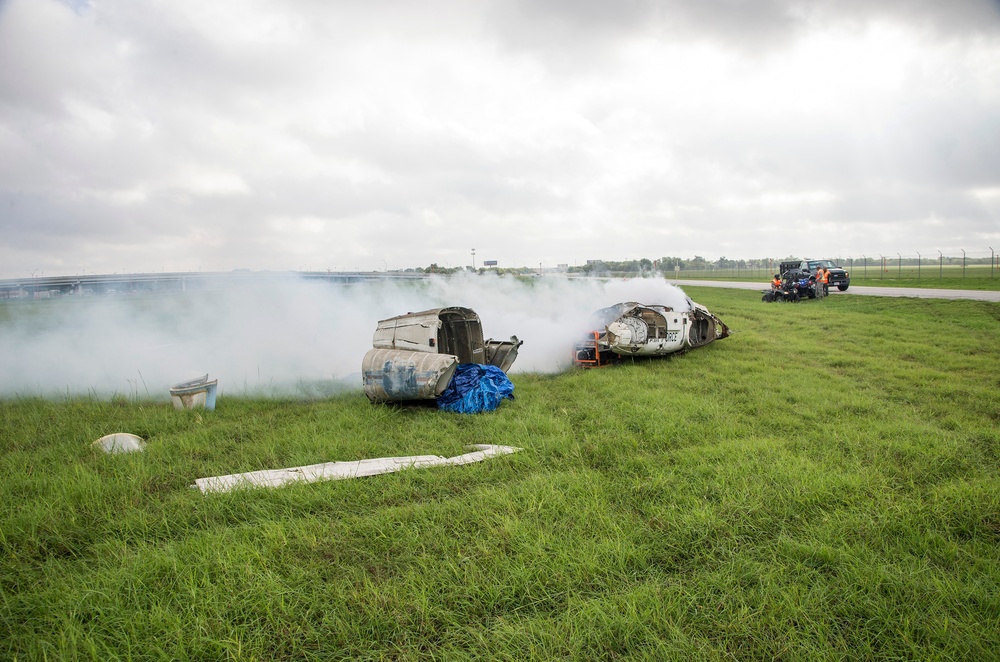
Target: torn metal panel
{"x":414,"y":355}
{"x":501,"y":353}
{"x":634,"y":329}
{"x":341,"y":470}
{"x":392,"y":375}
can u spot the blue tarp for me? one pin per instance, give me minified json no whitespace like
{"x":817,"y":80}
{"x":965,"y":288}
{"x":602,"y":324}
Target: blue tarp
{"x":475,"y":388}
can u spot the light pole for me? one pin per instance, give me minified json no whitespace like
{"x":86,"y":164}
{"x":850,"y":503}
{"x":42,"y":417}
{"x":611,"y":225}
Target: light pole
{"x":899,"y":266}
{"x":991,"y":261}
{"x":963,"y":263}
{"x":918,"y":265}
{"x":940,"y":265}
{"x":473,"y":259}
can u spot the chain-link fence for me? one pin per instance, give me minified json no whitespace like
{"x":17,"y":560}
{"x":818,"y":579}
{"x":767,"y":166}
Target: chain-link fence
{"x":895,"y":266}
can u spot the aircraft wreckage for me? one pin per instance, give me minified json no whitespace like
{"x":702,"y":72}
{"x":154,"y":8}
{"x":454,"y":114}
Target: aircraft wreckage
{"x":635,"y":329}
{"x":415,"y":356}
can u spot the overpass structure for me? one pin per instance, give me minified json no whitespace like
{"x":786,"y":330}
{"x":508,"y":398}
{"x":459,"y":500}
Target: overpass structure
{"x":41,"y":287}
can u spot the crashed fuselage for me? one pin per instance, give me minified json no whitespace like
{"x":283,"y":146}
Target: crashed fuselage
{"x":634,"y":329}
{"x":414,"y":356}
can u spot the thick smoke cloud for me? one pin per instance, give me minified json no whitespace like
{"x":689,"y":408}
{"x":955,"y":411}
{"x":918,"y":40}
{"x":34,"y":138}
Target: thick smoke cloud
{"x":288,"y":337}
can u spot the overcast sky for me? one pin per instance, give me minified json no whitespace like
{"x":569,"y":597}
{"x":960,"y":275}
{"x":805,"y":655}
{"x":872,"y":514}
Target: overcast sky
{"x":311,"y":134}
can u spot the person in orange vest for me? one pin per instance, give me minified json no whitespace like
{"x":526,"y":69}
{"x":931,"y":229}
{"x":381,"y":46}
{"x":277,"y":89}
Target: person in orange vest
{"x":818,"y":282}
{"x":776,"y":282}
{"x":826,"y":282}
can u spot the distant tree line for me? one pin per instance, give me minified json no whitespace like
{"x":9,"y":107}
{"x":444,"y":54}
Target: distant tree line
{"x":434,"y":268}
{"x":643,"y":266}
{"x":665,"y":265}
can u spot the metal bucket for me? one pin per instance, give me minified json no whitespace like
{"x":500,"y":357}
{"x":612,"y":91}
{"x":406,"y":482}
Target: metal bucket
{"x":194,"y":394}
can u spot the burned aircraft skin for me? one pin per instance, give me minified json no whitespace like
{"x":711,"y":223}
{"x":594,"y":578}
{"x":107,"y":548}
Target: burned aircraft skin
{"x":414,"y":356}
{"x":634,"y":329}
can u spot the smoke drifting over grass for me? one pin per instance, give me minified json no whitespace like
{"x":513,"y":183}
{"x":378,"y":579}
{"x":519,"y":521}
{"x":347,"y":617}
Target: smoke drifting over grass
{"x":282,"y":337}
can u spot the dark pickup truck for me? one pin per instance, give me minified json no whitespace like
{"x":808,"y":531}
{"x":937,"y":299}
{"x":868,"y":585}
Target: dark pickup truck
{"x":838,"y":277}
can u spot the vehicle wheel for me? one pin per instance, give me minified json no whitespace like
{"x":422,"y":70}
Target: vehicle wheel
{"x":842,"y":288}
{"x":812,"y":294}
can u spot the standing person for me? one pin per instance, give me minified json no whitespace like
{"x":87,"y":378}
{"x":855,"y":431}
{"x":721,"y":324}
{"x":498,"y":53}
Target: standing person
{"x":826,"y":281}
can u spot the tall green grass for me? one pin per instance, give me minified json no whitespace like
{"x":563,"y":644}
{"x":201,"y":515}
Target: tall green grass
{"x":821,"y":485}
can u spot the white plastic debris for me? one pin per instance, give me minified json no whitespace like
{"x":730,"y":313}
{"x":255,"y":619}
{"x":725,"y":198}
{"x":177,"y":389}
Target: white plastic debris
{"x":119,"y":442}
{"x":342,"y":470}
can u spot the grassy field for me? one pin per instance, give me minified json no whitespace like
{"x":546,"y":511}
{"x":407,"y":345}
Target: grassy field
{"x":823,"y":484}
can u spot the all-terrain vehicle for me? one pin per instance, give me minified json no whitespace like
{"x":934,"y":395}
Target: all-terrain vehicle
{"x":838,"y":277}
{"x":780,"y":294}
{"x":802,"y":282}
{"x":795,"y":286}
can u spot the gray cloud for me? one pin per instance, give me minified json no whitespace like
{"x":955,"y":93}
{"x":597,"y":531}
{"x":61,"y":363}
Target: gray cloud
{"x":333,"y":134}
{"x":748,"y":25}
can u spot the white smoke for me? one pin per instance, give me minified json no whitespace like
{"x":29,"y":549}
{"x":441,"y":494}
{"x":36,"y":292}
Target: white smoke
{"x":283,"y":336}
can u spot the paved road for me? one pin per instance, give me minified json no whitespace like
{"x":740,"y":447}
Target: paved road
{"x":919,"y":293}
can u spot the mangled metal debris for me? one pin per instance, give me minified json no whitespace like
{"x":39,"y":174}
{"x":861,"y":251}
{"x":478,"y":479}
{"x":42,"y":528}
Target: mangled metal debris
{"x":341,"y":470}
{"x":195,"y":394}
{"x":634,"y":329}
{"x":415,"y":355}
